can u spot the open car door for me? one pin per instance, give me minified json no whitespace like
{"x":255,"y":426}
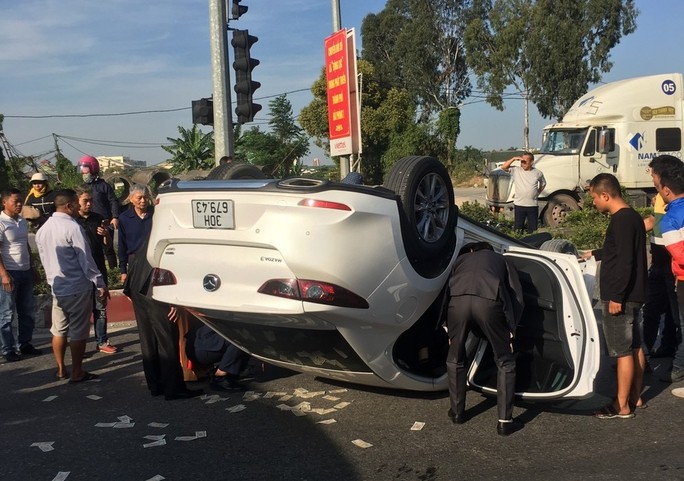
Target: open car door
{"x":557,"y":341}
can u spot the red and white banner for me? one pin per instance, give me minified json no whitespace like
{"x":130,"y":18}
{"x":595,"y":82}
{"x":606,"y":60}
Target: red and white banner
{"x":343,"y":110}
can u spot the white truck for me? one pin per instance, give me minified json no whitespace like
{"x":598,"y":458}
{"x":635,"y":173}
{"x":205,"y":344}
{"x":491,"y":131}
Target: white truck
{"x":617,"y":128}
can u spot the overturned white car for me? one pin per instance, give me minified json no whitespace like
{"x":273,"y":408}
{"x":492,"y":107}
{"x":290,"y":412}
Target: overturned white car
{"x":348,"y":281}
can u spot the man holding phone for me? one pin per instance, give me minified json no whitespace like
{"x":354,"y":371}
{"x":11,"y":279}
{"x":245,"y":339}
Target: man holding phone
{"x":97,"y":233}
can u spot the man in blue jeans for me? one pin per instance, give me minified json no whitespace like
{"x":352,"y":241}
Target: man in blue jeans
{"x":17,"y":278}
{"x":97,"y":234}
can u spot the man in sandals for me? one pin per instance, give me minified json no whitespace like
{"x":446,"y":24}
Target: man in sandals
{"x":623,"y":287}
{"x":71,"y":273}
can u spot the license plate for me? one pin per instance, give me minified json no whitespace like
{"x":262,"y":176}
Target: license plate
{"x":213,"y":214}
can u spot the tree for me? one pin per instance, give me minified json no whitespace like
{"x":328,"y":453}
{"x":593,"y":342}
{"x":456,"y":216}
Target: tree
{"x":547,"y":50}
{"x":192,"y":150}
{"x":389,"y":128}
{"x":278,"y":152}
{"x":416,"y":45}
{"x":66,"y":172}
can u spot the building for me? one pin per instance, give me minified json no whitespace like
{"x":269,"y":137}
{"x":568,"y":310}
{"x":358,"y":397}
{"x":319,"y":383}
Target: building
{"x":118,"y":162}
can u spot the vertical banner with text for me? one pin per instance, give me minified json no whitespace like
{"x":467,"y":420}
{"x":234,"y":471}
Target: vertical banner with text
{"x":343,"y":115}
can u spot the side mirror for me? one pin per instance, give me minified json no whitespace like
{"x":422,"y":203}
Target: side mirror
{"x":606,"y":141}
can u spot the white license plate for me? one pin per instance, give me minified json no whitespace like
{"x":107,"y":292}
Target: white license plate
{"x":213,"y":214}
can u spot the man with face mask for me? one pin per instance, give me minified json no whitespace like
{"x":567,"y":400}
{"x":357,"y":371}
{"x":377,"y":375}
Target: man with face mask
{"x":105,"y":202}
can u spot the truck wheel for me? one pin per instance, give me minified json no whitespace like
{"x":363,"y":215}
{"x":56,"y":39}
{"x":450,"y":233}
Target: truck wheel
{"x":559,"y":245}
{"x":557,"y":208}
{"x":427,"y":206}
{"x":235,"y":170}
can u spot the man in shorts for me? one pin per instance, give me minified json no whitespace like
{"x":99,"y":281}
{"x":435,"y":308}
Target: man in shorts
{"x":71,"y":273}
{"x":623,"y":288}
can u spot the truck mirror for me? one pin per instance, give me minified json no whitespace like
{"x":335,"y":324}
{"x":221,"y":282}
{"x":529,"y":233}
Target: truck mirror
{"x":606,"y":141}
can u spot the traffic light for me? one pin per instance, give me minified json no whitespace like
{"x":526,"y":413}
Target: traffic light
{"x":203,"y":111}
{"x":244,"y":85}
{"x":238,"y":10}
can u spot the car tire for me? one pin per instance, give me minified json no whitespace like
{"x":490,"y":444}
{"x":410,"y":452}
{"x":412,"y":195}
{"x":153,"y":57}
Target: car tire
{"x":557,"y":208}
{"x":236,"y":170}
{"x":559,"y":245}
{"x":427,"y":209}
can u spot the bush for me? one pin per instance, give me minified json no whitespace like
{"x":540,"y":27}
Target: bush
{"x":586,"y":228}
{"x":482,"y":214}
{"x":41,"y":287}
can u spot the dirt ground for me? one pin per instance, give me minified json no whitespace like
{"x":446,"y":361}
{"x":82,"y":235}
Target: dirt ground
{"x":475,"y":181}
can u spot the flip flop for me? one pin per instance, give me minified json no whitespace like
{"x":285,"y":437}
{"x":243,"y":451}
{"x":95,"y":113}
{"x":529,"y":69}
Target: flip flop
{"x":88,"y":376}
{"x":609,"y":412}
{"x":62,"y":378}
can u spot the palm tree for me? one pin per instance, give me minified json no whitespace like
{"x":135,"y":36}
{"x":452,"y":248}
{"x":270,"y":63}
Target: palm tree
{"x":192,"y":150}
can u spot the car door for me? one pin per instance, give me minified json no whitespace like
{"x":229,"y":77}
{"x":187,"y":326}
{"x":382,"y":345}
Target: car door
{"x":557,"y":342}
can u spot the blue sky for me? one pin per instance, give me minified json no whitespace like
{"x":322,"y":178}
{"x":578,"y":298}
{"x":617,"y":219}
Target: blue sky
{"x":69,"y":57}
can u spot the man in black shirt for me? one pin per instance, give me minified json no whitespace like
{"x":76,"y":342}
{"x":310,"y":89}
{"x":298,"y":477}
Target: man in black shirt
{"x":97,"y":234}
{"x":486,"y":296}
{"x":623,"y":287}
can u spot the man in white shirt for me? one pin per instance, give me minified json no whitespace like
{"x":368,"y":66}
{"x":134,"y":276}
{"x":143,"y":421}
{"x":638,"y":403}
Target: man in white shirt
{"x":71,"y":273}
{"x":528,"y":182}
{"x":17,"y":278}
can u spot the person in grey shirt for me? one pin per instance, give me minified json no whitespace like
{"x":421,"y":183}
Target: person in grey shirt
{"x":71,"y":273}
{"x":528,"y":182}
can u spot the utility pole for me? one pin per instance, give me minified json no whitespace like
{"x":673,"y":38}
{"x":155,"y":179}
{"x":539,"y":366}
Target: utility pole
{"x":220,"y":75}
{"x":337,"y":26}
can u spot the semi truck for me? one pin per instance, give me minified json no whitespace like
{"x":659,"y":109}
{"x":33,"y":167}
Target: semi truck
{"x":616,"y":128}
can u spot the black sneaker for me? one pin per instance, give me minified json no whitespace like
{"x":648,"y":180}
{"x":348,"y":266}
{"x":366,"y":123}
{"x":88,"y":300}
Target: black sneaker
{"x":12,"y":357}
{"x":28,"y":349}
{"x":226,"y":383}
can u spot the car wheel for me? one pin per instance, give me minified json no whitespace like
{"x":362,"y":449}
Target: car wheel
{"x":427,"y":205}
{"x":559,"y":245}
{"x":557,"y":208}
{"x":235,"y":170}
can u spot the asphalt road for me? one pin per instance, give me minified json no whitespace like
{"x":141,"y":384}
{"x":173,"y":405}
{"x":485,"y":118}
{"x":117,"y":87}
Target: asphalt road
{"x":265,"y":440}
{"x":469,"y":194}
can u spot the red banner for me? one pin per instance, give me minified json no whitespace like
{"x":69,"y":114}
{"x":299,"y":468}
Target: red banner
{"x":337,"y":76}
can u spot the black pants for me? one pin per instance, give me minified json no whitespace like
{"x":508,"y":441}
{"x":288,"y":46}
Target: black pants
{"x":158,"y":343}
{"x":210,"y":348}
{"x":661,"y":301}
{"x":466,"y":313}
{"x":523,"y":215}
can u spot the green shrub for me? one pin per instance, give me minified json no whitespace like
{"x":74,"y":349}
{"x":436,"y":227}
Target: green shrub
{"x":481,"y":213}
{"x":114,"y":279}
{"x":586,"y":228}
{"x":42,"y":287}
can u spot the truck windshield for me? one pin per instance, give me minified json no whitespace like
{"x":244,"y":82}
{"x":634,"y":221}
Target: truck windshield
{"x":564,"y":141}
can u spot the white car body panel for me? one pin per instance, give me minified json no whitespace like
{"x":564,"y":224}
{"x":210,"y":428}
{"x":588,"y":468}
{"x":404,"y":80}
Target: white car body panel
{"x":360,"y":250}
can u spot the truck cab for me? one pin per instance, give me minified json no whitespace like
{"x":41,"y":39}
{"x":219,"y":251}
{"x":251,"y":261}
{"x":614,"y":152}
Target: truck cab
{"x":616,"y":128}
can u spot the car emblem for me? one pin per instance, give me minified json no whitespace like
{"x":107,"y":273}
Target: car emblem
{"x":211,"y":282}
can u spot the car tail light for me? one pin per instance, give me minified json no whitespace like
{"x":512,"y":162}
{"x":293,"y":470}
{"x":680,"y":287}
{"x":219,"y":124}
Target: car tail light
{"x":323,"y":204}
{"x":313,"y":291}
{"x":162,"y":277}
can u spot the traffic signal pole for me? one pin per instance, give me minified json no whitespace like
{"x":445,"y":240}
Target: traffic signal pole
{"x":220,"y":75}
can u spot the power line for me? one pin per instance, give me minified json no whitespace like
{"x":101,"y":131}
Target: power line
{"x":113,"y":143}
{"x":33,"y":140}
{"x":137,"y":112}
{"x":117,"y":114}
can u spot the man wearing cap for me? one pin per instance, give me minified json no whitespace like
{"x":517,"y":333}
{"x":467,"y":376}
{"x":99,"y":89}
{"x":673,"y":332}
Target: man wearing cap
{"x":105,"y":202}
{"x":40,"y":202}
